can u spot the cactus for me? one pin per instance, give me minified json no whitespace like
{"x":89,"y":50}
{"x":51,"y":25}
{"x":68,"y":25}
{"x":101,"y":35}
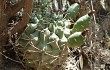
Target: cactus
{"x":76,"y":39}
{"x":81,"y":24}
{"x":46,"y":39}
{"x":73,"y":11}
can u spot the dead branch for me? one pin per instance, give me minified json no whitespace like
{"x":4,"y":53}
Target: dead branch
{"x":12,"y":10}
{"x":27,"y":5}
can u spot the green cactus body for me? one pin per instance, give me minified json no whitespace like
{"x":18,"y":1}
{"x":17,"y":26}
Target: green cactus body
{"x":81,"y":24}
{"x":32,"y":56}
{"x":45,"y":2}
{"x":76,"y":39}
{"x":51,"y":57}
{"x":47,"y":37}
{"x":23,"y":42}
{"x":62,"y":42}
{"x":60,"y":23}
{"x":43,"y":39}
{"x":59,"y":31}
{"x":31,"y":51}
{"x":73,"y":11}
{"x":33,"y":18}
{"x":52,"y":28}
{"x":24,"y":36}
{"x":35,"y":38}
{"x":31,"y":28}
{"x":67,"y":23}
{"x":67,"y":32}
{"x":53,"y":39}
{"x":24,"y":39}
